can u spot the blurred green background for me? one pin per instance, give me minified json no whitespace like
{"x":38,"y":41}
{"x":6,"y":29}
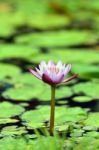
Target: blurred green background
{"x":36,"y":30}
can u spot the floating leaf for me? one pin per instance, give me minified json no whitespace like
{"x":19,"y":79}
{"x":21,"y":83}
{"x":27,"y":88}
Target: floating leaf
{"x":88,"y":142}
{"x":90,"y":89}
{"x":34,"y":89}
{"x":43,"y":113}
{"x":52,"y":21}
{"x":17,"y":51}
{"x":8,"y":120}
{"x":8,"y":70}
{"x":49,"y":39}
{"x":22,"y":93}
{"x":25,"y":88}
{"x":92,"y":120}
{"x":61,"y":92}
{"x":64,"y":54}
{"x":82,"y":99}
{"x":9,"y":143}
{"x":12,"y":130}
{"x":86,"y":71}
{"x":10,"y":110}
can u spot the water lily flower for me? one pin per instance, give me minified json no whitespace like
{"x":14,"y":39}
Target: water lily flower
{"x":52,"y":73}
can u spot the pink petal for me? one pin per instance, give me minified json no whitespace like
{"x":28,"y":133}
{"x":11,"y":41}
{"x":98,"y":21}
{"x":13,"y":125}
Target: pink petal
{"x":59,"y":79}
{"x":52,"y":79}
{"x":67,"y":69}
{"x":39,"y":72}
{"x":42,"y":66}
{"x":51,"y":63}
{"x":47,"y":79}
{"x":35,"y":74}
{"x":59,"y":64}
{"x":69,"y":79}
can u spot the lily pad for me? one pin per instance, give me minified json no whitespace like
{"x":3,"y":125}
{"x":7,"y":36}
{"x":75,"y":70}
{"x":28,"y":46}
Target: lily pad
{"x":62,"y":115}
{"x":8,"y":120}
{"x":6,"y":30}
{"x":8,"y":70}
{"x":86,"y":71}
{"x":17,"y":51}
{"x":61,"y":92}
{"x":25,"y":88}
{"x":22,"y":93}
{"x":52,"y":21}
{"x":85,"y":142}
{"x":92,"y":120}
{"x":89,"y":89}
{"x":49,"y":39}
{"x":34,"y":89}
{"x":64,"y":54}
{"x":82,"y":99}
{"x":10,"y":110}
{"x":9,"y":143}
{"x":12,"y":131}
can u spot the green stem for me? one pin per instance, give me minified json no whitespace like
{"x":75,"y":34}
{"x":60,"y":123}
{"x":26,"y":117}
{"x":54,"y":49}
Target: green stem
{"x":52,"y":113}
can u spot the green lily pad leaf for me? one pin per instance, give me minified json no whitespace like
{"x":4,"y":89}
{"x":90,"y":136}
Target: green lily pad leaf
{"x":94,"y":134}
{"x":26,"y":87}
{"x":9,"y":143}
{"x":25,"y":79}
{"x":90,"y":89}
{"x":12,"y":130}
{"x":77,"y":133}
{"x":10,"y":110}
{"x":49,"y":39}
{"x":8,"y":120}
{"x":52,"y":21}
{"x":85,"y":142}
{"x":61,"y":92}
{"x":78,"y":56}
{"x":43,"y":114}
{"x":6,"y":30}
{"x":17,"y":51}
{"x":45,"y":57}
{"x":86,"y":71}
{"x":62,"y":128}
{"x":61,"y":102}
{"x":92,"y":120}
{"x":50,"y":143}
{"x":22,"y":93}
{"x":82,"y":99}
{"x":8,"y":70}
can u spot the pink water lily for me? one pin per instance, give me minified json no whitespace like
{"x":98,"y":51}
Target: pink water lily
{"x":52,"y":73}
